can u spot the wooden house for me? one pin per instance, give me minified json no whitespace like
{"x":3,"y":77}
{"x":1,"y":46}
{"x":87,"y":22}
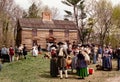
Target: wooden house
{"x":41,"y":31}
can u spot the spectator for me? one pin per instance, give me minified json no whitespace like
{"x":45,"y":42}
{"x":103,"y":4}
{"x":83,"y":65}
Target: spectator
{"x":24,"y":51}
{"x":16,"y":52}
{"x":20,"y":49}
{"x":11,"y":53}
{"x":4,"y":54}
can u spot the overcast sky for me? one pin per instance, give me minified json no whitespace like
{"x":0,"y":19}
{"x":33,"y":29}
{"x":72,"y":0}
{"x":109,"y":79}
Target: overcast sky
{"x":52,"y":3}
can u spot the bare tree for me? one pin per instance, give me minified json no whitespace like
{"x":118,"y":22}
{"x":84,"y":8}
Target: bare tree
{"x":9,"y":12}
{"x":55,"y":13}
{"x":101,"y":13}
{"x":103,"y":16}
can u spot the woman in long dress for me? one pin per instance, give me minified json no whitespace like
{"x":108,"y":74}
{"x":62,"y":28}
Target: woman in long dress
{"x":35,"y":51}
{"x":81,"y":66}
{"x":53,"y":63}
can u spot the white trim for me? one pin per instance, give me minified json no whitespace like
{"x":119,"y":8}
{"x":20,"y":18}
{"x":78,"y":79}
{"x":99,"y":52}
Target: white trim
{"x":73,"y":30}
{"x":48,"y":29}
{"x":27,"y":28}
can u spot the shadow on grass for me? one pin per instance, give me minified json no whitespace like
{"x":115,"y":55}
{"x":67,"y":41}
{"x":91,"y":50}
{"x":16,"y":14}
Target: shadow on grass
{"x":47,"y":75}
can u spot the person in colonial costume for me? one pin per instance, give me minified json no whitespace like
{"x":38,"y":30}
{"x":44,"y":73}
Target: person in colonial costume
{"x":82,"y":65}
{"x":53,"y":63}
{"x":35,"y":51}
{"x":62,"y":55}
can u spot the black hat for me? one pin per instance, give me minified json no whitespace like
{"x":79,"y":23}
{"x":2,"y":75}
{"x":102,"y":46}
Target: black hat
{"x":60,"y":43}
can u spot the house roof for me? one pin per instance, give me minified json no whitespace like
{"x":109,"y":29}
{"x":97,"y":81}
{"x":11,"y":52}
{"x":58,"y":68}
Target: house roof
{"x":54,"y":24}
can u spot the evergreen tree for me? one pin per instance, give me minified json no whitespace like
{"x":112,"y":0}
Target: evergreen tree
{"x":33,"y":11}
{"x":78,"y":15}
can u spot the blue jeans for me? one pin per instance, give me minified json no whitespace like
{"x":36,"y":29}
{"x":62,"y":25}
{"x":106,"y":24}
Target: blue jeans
{"x":94,"y":58}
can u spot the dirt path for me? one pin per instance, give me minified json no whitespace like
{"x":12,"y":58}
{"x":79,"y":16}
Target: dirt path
{"x":114,"y":79}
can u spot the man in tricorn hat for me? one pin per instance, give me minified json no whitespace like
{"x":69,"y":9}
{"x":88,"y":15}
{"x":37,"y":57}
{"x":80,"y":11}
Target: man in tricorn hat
{"x":60,"y":43}
{"x":62,"y":55}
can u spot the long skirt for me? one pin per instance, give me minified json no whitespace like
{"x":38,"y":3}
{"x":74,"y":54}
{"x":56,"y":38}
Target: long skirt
{"x":53,"y":67}
{"x":82,"y":72}
{"x":35,"y":52}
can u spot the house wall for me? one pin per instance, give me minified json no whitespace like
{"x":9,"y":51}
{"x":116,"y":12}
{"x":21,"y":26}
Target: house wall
{"x":27,"y":38}
{"x":73,"y":35}
{"x":42,"y":34}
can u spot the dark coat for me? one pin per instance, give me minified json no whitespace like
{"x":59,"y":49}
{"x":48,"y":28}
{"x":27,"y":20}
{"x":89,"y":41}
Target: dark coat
{"x":24,"y":50}
{"x":53,"y":67}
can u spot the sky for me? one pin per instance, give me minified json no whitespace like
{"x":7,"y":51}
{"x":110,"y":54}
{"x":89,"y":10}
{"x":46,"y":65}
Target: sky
{"x":52,"y":3}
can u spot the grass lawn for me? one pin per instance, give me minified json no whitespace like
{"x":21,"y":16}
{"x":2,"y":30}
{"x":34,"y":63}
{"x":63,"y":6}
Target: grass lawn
{"x":36,"y":69}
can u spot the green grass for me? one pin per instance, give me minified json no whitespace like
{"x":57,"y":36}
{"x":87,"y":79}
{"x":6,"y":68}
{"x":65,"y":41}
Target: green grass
{"x":30,"y":70}
{"x":36,"y":69}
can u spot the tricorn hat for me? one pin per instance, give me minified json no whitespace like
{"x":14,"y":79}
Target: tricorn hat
{"x":60,"y":43}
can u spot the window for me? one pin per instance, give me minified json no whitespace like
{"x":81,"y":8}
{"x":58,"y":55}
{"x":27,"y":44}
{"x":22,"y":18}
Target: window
{"x":34,"y":32}
{"x":50,"y":32}
{"x":66,"y":33}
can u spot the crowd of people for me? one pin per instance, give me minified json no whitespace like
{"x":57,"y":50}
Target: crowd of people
{"x":8,"y":54}
{"x":65,"y":55}
{"x":77,"y":57}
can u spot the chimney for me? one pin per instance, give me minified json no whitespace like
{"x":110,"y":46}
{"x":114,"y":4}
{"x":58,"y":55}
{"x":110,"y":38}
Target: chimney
{"x":46,"y":16}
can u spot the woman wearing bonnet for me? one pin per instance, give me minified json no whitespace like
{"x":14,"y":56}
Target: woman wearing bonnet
{"x":53,"y":63}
